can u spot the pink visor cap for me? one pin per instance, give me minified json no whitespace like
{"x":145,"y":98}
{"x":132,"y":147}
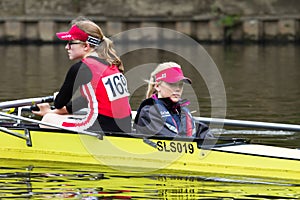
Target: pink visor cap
{"x":74,"y":33}
{"x":172,"y":75}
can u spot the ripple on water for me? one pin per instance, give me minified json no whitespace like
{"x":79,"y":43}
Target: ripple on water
{"x":41,"y":180}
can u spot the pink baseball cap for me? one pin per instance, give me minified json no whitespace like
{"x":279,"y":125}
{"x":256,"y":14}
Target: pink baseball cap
{"x":74,"y":33}
{"x":172,"y":75}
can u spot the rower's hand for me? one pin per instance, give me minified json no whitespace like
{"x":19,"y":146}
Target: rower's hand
{"x":43,"y":108}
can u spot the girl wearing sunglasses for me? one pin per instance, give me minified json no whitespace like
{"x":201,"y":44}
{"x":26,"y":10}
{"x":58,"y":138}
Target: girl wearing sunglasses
{"x":98,"y":76}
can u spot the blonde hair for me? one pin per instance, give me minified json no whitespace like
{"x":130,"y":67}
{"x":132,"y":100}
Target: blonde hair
{"x":151,"y":82}
{"x":105,"y":50}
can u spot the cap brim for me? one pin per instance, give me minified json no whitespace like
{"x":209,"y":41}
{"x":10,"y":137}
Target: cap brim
{"x":187,"y":80}
{"x":178,"y":78}
{"x":64,"y":36}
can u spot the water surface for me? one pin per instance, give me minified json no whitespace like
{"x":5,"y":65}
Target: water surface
{"x":261,"y":83}
{"x":40,"y":180}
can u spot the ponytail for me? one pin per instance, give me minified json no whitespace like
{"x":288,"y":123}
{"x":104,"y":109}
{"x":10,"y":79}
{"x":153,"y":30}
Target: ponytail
{"x":105,"y":50}
{"x":108,"y":53}
{"x":151,"y":90}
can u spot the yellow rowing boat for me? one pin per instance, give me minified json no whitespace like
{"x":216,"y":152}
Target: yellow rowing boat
{"x":136,"y":153}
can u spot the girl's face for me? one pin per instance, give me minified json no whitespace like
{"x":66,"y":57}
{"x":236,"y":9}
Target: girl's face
{"x":171,"y":90}
{"x":76,"y":49}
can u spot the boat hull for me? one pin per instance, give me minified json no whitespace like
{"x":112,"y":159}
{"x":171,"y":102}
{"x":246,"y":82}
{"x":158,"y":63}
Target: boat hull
{"x":135,"y":154}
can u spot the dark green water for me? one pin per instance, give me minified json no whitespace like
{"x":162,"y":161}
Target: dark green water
{"x":261,"y":84}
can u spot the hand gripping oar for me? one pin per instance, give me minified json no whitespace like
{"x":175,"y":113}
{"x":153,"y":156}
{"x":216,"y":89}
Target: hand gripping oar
{"x":25,"y":102}
{"x":249,"y":124}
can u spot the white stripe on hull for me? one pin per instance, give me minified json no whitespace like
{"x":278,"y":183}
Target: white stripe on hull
{"x":262,"y":150}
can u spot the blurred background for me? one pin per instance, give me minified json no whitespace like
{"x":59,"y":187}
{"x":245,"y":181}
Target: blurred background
{"x":205,"y":20}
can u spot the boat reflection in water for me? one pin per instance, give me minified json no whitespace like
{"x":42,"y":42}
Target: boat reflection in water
{"x":48,"y":180}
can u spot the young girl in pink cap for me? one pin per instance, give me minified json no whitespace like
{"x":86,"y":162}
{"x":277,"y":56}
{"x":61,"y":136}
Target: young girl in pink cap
{"x":164,"y":112}
{"x":98,"y":76}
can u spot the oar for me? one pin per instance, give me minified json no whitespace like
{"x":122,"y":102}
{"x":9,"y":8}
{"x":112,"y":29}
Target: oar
{"x":249,"y":124}
{"x":25,"y":102}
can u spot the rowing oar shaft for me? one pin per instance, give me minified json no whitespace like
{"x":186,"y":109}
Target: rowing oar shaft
{"x":48,"y":124}
{"x":249,"y":124}
{"x":25,"y":102}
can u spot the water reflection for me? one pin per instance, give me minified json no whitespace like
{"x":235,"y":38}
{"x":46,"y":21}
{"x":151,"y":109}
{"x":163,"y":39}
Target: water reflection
{"x":38,"y":180}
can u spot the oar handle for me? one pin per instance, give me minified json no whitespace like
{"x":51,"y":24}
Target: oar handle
{"x":47,"y":99}
{"x":36,"y":108}
{"x":26,"y":102}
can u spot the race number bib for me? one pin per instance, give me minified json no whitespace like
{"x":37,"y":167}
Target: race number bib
{"x":116,"y":86}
